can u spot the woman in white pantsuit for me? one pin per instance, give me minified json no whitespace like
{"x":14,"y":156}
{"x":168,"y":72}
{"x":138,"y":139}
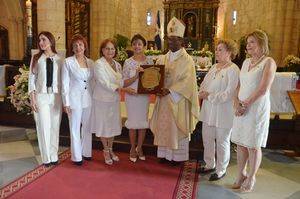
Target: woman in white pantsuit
{"x":77,"y":75}
{"x":106,"y":116}
{"x":45,"y":96}
{"x":251,"y":122}
{"x":217,"y":91}
{"x":137,"y":106}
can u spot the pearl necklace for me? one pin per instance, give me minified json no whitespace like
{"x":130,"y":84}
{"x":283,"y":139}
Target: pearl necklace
{"x":252,"y":65}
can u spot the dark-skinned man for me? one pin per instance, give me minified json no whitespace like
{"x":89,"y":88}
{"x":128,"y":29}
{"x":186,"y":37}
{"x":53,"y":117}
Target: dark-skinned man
{"x":176,"y":110}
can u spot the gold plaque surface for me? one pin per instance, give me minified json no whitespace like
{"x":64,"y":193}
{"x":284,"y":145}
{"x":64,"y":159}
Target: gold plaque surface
{"x":151,"y":80}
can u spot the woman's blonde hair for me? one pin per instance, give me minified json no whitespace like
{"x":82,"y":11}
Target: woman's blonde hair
{"x":262,"y":39}
{"x":230,"y":46}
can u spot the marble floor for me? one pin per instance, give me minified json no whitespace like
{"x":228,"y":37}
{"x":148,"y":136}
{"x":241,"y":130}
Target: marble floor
{"x":278,"y":177}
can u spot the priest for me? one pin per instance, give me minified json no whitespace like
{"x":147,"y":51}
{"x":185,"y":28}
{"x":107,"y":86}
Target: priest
{"x":176,"y":110}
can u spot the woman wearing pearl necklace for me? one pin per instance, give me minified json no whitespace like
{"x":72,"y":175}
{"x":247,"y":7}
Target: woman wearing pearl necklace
{"x":252,"y":109}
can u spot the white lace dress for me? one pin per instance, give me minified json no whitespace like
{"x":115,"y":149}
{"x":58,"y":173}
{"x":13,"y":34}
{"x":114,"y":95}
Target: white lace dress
{"x":137,"y":105}
{"x":251,"y":129}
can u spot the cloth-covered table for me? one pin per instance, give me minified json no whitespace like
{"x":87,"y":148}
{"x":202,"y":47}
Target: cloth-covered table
{"x":2,"y":81}
{"x":280,"y":101}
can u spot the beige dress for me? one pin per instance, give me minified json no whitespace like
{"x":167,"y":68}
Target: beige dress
{"x":106,"y":116}
{"x":137,"y":106}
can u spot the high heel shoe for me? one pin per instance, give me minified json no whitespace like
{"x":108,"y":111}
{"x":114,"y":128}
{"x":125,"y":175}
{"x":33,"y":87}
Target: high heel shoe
{"x":248,"y":185}
{"x":238,"y":184}
{"x":113,"y":155}
{"x":140,"y":154}
{"x":132,"y":156}
{"x":107,"y":158}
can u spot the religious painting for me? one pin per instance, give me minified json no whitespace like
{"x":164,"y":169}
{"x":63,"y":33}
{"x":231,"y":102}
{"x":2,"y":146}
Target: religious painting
{"x":190,"y":21}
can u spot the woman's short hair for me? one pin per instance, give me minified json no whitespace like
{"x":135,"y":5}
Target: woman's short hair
{"x":104,"y":43}
{"x":76,"y":38}
{"x":230,"y":46}
{"x":138,"y":37}
{"x":262,"y":39}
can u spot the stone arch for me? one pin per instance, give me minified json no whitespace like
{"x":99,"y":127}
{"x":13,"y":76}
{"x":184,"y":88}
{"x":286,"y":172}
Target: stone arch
{"x":11,"y":17}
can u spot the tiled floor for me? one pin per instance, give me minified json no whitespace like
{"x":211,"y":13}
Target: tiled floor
{"x":278,"y":177}
{"x":19,"y":153}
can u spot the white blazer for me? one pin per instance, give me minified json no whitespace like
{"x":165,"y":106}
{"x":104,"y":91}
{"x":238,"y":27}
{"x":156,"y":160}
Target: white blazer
{"x":217,"y":109}
{"x":76,"y":84}
{"x":107,"y":81}
{"x":37,"y":79}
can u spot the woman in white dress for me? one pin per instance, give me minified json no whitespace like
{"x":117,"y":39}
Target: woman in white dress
{"x":252,"y":104}
{"x":45,"y":96}
{"x":137,"y":105}
{"x":76,"y":91}
{"x":106,"y":117}
{"x":217,"y":91}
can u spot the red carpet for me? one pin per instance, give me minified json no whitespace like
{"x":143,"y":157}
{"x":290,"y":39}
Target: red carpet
{"x":94,"y":179}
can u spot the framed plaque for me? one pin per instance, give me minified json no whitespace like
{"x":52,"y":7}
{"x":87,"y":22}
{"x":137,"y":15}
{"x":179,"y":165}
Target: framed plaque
{"x":152,"y":79}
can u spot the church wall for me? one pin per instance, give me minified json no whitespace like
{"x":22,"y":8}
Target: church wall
{"x":138,"y":19}
{"x":126,"y":17}
{"x":279,"y":18}
{"x":11,"y":17}
{"x":51,"y":17}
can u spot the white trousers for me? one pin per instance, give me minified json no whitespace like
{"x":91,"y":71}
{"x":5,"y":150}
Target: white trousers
{"x":180,"y":154}
{"x":81,"y":143}
{"x":216,"y":138}
{"x":47,"y":121}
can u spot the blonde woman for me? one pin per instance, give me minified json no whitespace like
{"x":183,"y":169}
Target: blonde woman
{"x":252,"y":109}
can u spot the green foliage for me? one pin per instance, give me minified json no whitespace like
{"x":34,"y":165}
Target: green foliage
{"x":122,"y":41}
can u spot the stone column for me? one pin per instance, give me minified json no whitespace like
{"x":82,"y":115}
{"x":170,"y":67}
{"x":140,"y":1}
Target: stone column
{"x":107,"y":19}
{"x":51,"y":17}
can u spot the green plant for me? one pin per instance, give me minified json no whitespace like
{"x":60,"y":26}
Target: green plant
{"x":152,"y":52}
{"x":122,"y":41}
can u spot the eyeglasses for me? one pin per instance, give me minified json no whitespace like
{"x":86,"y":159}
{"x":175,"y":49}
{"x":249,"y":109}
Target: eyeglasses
{"x":112,"y":49}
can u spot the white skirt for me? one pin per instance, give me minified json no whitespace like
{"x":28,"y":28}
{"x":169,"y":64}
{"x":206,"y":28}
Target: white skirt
{"x":137,"y":107}
{"x":106,"y":119}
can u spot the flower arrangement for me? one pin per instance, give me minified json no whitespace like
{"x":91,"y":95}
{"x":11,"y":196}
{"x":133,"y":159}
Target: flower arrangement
{"x":152,"y":52}
{"x":121,"y":56}
{"x":19,"y":96}
{"x":292,"y":63}
{"x":202,"y":53}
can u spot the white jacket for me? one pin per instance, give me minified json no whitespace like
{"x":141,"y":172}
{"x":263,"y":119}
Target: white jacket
{"x":107,"y":81}
{"x":38,"y":78}
{"x":76,"y":84}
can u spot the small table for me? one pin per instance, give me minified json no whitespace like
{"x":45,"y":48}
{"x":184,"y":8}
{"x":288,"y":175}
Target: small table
{"x":295,"y":99}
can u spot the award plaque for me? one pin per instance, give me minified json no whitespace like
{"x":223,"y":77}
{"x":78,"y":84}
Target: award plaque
{"x":152,"y":79}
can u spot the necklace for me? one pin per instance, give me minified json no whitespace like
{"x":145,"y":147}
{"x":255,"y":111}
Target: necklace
{"x":253,"y":64}
{"x":218,"y":69}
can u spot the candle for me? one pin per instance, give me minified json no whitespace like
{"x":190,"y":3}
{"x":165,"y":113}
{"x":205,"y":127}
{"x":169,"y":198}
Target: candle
{"x":29,"y":17}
